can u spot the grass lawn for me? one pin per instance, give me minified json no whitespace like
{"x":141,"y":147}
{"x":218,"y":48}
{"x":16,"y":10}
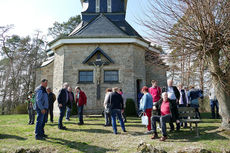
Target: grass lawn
{"x":94,"y":137}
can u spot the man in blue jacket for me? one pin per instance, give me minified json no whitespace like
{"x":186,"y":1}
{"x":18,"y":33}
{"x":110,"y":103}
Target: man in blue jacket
{"x":42,"y":105}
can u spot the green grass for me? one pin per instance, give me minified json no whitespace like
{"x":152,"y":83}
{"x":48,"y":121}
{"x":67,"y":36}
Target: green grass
{"x":94,"y":137}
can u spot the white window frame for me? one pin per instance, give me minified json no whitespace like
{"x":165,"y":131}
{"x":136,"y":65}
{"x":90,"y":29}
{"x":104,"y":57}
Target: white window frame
{"x":109,"y":5}
{"x":97,"y":5}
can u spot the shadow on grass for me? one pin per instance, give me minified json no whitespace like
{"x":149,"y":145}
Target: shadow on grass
{"x":7,"y":136}
{"x":90,"y":130}
{"x":81,"y":146}
{"x":206,"y":133}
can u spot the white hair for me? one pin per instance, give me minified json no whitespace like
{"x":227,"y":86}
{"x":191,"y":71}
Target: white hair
{"x":164,"y":94}
{"x":65,"y":85}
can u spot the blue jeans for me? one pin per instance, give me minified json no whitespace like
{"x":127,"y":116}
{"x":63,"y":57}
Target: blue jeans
{"x":214,"y":105}
{"x":162,"y":120}
{"x":40,"y":123}
{"x":114,"y":113}
{"x":68,"y":112}
{"x":62,"y":114}
{"x":80,"y":113}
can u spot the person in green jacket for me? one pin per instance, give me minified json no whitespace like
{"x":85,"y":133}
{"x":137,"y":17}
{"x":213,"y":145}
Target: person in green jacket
{"x":31,"y":107}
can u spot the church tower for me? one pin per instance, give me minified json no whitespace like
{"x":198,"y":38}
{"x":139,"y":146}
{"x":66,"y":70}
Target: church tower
{"x":103,"y":51}
{"x":105,"y":18}
{"x":113,"y":9}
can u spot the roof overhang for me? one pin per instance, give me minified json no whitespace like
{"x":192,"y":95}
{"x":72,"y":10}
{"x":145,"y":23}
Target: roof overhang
{"x":96,"y":40}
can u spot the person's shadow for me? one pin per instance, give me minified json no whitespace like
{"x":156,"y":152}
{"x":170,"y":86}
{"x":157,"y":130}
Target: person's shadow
{"x":7,"y":136}
{"x":90,"y":130}
{"x":81,"y":146}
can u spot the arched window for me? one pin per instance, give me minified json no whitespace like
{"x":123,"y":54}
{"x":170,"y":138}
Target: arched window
{"x":97,"y":5}
{"x":109,"y":6}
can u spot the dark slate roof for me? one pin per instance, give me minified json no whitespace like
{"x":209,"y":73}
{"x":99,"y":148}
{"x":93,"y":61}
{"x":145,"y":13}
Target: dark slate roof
{"x":101,"y":26}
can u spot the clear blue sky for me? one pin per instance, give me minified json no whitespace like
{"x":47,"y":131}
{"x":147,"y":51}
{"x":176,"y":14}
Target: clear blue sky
{"x":31,"y":15}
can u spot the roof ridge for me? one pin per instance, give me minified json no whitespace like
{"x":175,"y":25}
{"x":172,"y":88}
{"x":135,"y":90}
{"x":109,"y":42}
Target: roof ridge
{"x":114,"y":24}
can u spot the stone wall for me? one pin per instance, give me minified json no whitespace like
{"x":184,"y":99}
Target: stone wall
{"x":58,"y":71}
{"x":129,"y":60}
{"x":139,"y":68}
{"x":45,"y":73}
{"x":123,"y":56}
{"x":155,"y":72}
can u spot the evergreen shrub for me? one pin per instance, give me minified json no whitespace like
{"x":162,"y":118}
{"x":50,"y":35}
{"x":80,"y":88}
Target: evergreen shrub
{"x":130,"y":109}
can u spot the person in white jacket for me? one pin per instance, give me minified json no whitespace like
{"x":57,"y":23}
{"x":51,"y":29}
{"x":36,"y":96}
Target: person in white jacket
{"x":107,"y":114}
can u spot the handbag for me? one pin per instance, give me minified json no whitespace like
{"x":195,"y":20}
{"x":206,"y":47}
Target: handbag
{"x":144,"y":120}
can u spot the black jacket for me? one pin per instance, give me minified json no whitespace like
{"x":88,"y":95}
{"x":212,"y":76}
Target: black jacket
{"x":116,"y":101}
{"x":62,"y":97}
{"x":172,"y":106}
{"x":51,"y":98}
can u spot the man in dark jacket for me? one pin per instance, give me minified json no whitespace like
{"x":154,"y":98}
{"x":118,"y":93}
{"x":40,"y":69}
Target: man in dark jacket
{"x":167,"y":112}
{"x":117,"y":107}
{"x":173,"y":95}
{"x":62,"y":101}
{"x":52,"y":98}
{"x":69,"y":103}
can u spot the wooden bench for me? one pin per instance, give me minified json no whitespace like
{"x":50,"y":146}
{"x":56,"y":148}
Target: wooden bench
{"x":189,"y":114}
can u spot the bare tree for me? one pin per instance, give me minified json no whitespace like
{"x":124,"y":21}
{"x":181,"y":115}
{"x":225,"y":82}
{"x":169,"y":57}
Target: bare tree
{"x":18,"y":76}
{"x":203,"y":27}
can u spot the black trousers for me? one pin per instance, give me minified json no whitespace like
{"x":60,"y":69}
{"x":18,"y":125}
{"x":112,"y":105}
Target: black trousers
{"x":51,"y":108}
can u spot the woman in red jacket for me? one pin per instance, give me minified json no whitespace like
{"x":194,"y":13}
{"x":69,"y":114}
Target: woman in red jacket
{"x":81,"y":100}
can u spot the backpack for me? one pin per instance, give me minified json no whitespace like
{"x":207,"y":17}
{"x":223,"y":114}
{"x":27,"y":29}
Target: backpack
{"x":195,"y":94}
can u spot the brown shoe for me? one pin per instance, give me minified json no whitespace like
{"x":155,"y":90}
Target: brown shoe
{"x":163,"y":138}
{"x":154,"y":136}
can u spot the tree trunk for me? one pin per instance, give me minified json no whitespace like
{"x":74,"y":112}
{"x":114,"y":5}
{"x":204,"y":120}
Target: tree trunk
{"x":188,"y":71}
{"x":222,"y":90}
{"x":5,"y":91}
{"x":224,"y":102}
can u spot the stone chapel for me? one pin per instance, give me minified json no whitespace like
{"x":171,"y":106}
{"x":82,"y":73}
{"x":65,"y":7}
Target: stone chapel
{"x":103,"y":51}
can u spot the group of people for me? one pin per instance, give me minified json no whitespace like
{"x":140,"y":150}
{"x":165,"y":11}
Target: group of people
{"x":161,"y":105}
{"x":42,"y":102}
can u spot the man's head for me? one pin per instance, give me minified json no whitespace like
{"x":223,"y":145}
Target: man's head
{"x":78,"y":89}
{"x":192,"y":87}
{"x":180,"y":86}
{"x":154,"y":83}
{"x":44,"y":83}
{"x":48,"y":89}
{"x":165,"y":96}
{"x":69,"y":89}
{"x":108,"y":90}
{"x":115,"y":89}
{"x":65,"y":85}
{"x":170,"y":83}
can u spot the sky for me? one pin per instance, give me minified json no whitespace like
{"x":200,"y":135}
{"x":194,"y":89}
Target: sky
{"x":30,"y":15}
